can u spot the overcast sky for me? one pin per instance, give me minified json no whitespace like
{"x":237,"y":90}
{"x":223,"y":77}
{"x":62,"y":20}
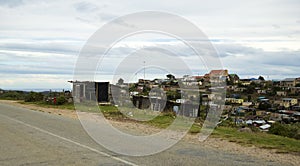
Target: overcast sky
{"x":41,"y":40}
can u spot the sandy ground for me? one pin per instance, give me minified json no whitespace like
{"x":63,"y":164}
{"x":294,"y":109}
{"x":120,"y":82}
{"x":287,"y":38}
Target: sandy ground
{"x":216,"y":143}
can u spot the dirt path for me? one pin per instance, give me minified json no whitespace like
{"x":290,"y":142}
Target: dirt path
{"x":215,"y":143}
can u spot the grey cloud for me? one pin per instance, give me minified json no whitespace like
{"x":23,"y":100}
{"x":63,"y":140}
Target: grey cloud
{"x":275,"y":26}
{"x":92,"y":13}
{"x":96,"y":18}
{"x":249,"y":61}
{"x":36,"y":66}
{"x":183,"y":50}
{"x":281,"y":58}
{"x":15,"y":63}
{"x":106,"y":16}
{"x":11,"y":3}
{"x":233,"y":49}
{"x":118,"y":21}
{"x":86,"y":7}
{"x":84,"y":20}
{"x":14,"y":69}
{"x":51,"y":47}
{"x":121,"y":51}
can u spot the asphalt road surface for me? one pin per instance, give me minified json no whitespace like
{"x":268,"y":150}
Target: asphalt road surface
{"x":36,"y":138}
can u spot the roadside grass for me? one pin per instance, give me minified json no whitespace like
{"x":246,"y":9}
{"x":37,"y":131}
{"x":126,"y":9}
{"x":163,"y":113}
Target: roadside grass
{"x":112,"y":112}
{"x":262,"y":140}
{"x":195,"y":128}
{"x":258,"y":139}
{"x":158,"y":120}
{"x":163,"y":120}
{"x":68,"y":106}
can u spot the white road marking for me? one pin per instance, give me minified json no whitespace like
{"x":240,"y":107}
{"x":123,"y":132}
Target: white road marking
{"x":71,"y":141}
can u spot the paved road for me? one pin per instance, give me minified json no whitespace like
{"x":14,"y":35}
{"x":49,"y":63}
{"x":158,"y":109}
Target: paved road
{"x":36,"y":138}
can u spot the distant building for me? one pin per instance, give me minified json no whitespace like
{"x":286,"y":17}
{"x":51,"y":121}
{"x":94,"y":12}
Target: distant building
{"x":234,"y":78}
{"x":245,"y":82}
{"x":217,"y":76}
{"x":247,"y":104}
{"x":234,"y":100}
{"x":281,"y":93}
{"x":191,"y":80}
{"x":239,"y":89}
{"x":261,"y":91}
{"x":221,"y":72}
{"x":288,"y":102}
{"x":295,"y":90}
{"x":288,"y":82}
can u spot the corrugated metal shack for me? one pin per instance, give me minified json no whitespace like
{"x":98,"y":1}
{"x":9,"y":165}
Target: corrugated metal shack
{"x":90,"y":91}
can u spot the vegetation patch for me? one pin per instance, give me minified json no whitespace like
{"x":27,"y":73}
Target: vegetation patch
{"x":263,"y":140}
{"x":286,"y":130}
{"x":68,"y":106}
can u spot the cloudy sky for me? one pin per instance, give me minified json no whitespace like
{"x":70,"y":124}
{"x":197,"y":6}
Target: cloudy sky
{"x":41,"y":40}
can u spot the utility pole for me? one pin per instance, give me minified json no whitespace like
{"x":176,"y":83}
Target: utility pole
{"x":144,"y":70}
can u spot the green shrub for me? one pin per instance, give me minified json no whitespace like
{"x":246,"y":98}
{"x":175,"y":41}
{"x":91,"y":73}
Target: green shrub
{"x":286,"y":130}
{"x":12,"y":95}
{"x":61,"y":100}
{"x":33,"y":97}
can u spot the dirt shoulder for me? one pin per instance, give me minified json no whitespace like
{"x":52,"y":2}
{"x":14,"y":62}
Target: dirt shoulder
{"x":68,"y":113}
{"x":214,"y":143}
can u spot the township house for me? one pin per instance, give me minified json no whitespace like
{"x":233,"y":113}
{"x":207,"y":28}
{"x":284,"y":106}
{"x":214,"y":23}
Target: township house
{"x":234,"y":78}
{"x":288,"y":102}
{"x":234,"y":100}
{"x":281,"y":93}
{"x":288,"y":82}
{"x":217,"y":76}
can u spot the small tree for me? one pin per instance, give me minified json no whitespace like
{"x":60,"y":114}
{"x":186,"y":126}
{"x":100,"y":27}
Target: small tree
{"x":261,"y":78}
{"x":120,"y":81}
{"x":34,"y":96}
{"x":170,"y":77}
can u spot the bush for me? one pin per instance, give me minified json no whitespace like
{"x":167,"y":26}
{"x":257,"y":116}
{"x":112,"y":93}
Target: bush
{"x":61,"y":100}
{"x":12,"y":95}
{"x":286,"y":130}
{"x":33,"y":97}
